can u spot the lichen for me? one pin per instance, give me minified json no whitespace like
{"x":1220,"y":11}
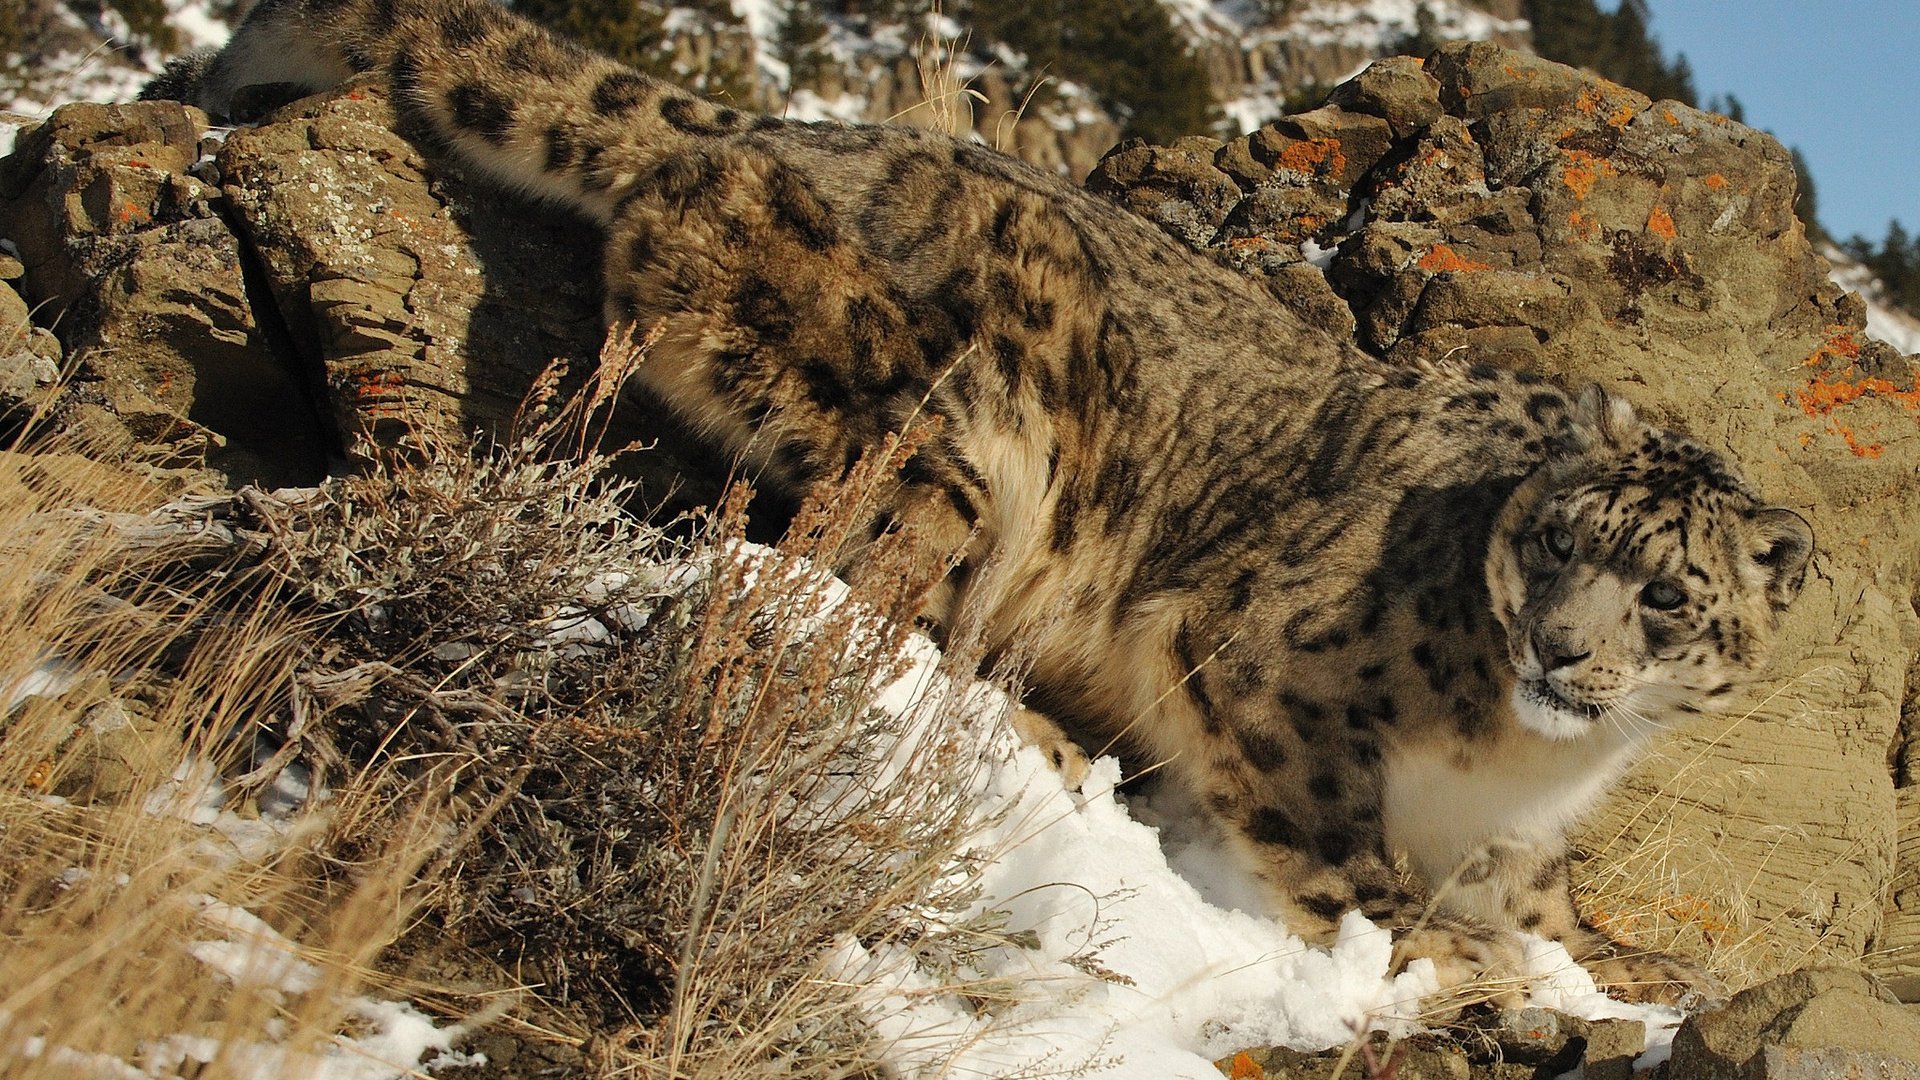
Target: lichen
{"x":1584,"y":169}
{"x":1837,"y":383}
{"x":1315,"y":157}
{"x":1443,"y":259}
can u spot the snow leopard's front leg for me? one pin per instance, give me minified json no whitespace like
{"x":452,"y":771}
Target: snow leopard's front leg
{"x":1524,"y":886}
{"x":1309,"y":830}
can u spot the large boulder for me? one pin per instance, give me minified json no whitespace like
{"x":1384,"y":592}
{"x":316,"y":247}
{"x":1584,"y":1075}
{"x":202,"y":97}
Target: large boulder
{"x":1545,"y":219}
{"x":1817,"y":1024}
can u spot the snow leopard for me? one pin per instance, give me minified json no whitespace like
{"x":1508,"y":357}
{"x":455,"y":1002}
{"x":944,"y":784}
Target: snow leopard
{"x":1394,"y":625}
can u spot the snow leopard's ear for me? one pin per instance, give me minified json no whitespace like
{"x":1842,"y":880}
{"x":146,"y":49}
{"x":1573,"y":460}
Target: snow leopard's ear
{"x":1610,"y":416}
{"x":1781,"y":544}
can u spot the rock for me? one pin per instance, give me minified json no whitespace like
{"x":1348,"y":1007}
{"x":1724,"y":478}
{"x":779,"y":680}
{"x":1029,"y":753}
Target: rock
{"x":410,"y":318}
{"x":1544,"y":219}
{"x":1420,"y":1057}
{"x":1478,"y":79}
{"x":1897,"y":960}
{"x":421,"y":301}
{"x":1397,"y":90}
{"x":125,"y":257}
{"x":1512,"y":1044}
{"x":1815,"y":1024}
{"x":314,"y":290}
{"x":1175,"y":186}
{"x":1550,"y":1043}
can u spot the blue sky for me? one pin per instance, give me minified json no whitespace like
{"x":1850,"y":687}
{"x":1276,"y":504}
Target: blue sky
{"x":1840,"y":80}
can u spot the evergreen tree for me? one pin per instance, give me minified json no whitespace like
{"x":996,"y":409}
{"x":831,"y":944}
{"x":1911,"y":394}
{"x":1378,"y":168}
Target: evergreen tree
{"x":629,"y":31}
{"x":1426,"y":35}
{"x":1617,"y":45}
{"x":1126,"y":52}
{"x":147,"y":20}
{"x":1896,"y":262}
{"x":633,"y":31}
{"x":1306,"y":97}
{"x":876,"y":11}
{"x":801,"y":44}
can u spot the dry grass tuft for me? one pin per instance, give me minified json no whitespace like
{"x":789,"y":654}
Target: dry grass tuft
{"x":634,"y":789}
{"x":136,"y":662}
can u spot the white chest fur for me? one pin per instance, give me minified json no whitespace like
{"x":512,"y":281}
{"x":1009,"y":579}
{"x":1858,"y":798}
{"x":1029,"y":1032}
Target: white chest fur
{"x":1437,"y":810}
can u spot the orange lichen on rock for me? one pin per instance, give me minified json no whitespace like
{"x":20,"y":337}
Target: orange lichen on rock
{"x":1584,"y":227}
{"x":1660,"y":223}
{"x":1829,"y":390}
{"x":1840,"y":345}
{"x":1243,"y":1067}
{"x":1584,"y":169}
{"x":1593,"y":98}
{"x":1322,"y":156}
{"x":377,"y":391}
{"x":1443,"y":259}
{"x":1714,"y":181}
{"x":1825,"y":393}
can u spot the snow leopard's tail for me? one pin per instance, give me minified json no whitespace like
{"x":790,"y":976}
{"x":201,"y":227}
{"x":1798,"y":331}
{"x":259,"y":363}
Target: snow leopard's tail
{"x":532,"y":110}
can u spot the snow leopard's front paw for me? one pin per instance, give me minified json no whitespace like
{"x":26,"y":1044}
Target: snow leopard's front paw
{"x":1655,"y":977}
{"x":1473,"y":963}
{"x":1038,"y":730}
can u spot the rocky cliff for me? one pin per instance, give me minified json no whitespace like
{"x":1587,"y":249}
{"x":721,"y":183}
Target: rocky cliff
{"x":254,"y":306}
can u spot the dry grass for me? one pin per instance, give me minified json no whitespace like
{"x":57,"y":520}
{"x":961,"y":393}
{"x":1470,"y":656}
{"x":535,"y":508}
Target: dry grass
{"x":107,"y":882}
{"x":637,"y":784}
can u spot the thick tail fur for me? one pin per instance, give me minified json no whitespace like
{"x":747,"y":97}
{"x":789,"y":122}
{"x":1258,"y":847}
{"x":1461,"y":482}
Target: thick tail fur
{"x":531,"y":110}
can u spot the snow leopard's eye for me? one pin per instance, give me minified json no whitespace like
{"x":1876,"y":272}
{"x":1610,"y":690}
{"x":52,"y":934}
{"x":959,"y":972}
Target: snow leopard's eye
{"x":1662,"y":596}
{"x":1558,"y":541}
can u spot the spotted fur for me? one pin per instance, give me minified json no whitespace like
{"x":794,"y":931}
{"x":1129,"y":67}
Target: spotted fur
{"x":1363,"y":611}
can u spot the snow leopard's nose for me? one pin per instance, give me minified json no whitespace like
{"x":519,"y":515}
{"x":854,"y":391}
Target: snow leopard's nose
{"x":1556,"y":652}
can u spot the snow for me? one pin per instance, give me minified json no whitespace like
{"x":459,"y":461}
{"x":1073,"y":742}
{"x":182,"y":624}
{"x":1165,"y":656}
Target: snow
{"x":391,"y":1039}
{"x":1382,"y":24}
{"x":807,"y":105}
{"x":198,"y":26}
{"x":49,"y":677}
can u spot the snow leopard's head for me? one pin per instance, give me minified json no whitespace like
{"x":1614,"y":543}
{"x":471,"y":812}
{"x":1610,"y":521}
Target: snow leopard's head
{"x":1637,"y":577}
